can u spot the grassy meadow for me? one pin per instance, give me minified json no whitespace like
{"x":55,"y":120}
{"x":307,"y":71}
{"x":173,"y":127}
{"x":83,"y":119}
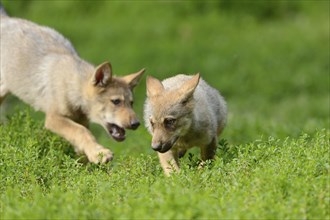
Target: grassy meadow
{"x":269,"y":59}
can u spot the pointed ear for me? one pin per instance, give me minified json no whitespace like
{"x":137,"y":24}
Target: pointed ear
{"x":154,"y":86}
{"x":188,"y":88}
{"x":133,"y":79}
{"x":102,"y":75}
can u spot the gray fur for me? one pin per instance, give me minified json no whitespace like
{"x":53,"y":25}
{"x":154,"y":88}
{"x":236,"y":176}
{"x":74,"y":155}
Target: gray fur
{"x":207,"y":121}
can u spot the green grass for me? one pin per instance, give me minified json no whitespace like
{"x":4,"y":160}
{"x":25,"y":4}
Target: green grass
{"x":268,"y":178}
{"x":271,"y":63}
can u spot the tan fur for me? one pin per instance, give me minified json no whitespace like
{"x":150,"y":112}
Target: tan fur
{"x":181,"y":112}
{"x":42,"y":68}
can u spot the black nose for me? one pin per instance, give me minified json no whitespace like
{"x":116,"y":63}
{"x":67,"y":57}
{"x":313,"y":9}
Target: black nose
{"x":156,"y":146}
{"x":135,"y":124}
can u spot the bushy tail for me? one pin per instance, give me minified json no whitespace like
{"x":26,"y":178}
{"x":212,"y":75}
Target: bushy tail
{"x":3,"y":13}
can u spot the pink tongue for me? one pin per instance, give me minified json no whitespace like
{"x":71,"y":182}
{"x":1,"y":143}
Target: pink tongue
{"x":117,"y":133}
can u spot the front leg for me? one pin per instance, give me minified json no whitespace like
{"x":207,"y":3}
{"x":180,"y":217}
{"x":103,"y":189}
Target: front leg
{"x":169,"y":161}
{"x":79,"y":136}
{"x":208,"y":151}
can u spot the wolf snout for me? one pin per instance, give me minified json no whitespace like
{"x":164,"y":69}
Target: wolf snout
{"x":156,"y":146}
{"x":134,"y":124}
{"x":161,"y":147}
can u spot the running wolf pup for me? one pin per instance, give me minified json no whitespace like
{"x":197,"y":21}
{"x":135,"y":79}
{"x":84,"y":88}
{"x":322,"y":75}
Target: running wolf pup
{"x":181,"y":112}
{"x":42,"y":68}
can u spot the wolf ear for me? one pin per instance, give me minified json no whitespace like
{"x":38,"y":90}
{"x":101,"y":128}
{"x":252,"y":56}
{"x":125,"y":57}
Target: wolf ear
{"x":188,"y":88}
{"x":102,"y":75}
{"x":154,"y":86}
{"x":133,"y":79}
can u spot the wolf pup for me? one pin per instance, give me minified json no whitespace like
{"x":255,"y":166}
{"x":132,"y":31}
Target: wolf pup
{"x":181,"y":112}
{"x":42,"y":68}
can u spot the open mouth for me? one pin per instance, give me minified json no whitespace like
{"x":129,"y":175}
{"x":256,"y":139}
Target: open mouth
{"x":116,"y":132}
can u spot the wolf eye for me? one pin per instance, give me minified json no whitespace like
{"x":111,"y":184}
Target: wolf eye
{"x":116,"y":101}
{"x":169,"y":122}
{"x":132,"y":103}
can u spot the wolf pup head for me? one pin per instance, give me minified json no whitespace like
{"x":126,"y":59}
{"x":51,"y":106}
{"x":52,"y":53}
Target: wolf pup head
{"x":111,"y":101}
{"x":168,"y":112}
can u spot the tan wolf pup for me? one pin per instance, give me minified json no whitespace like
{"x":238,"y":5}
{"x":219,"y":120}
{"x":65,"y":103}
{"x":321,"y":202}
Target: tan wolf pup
{"x":42,"y":68}
{"x":181,"y":112}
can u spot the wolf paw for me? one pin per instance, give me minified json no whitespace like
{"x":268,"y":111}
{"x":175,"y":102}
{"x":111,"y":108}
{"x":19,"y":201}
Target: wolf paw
{"x":99,"y":155}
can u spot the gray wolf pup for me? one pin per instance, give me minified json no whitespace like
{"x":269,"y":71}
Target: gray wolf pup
{"x":181,"y":112}
{"x":42,"y":68}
